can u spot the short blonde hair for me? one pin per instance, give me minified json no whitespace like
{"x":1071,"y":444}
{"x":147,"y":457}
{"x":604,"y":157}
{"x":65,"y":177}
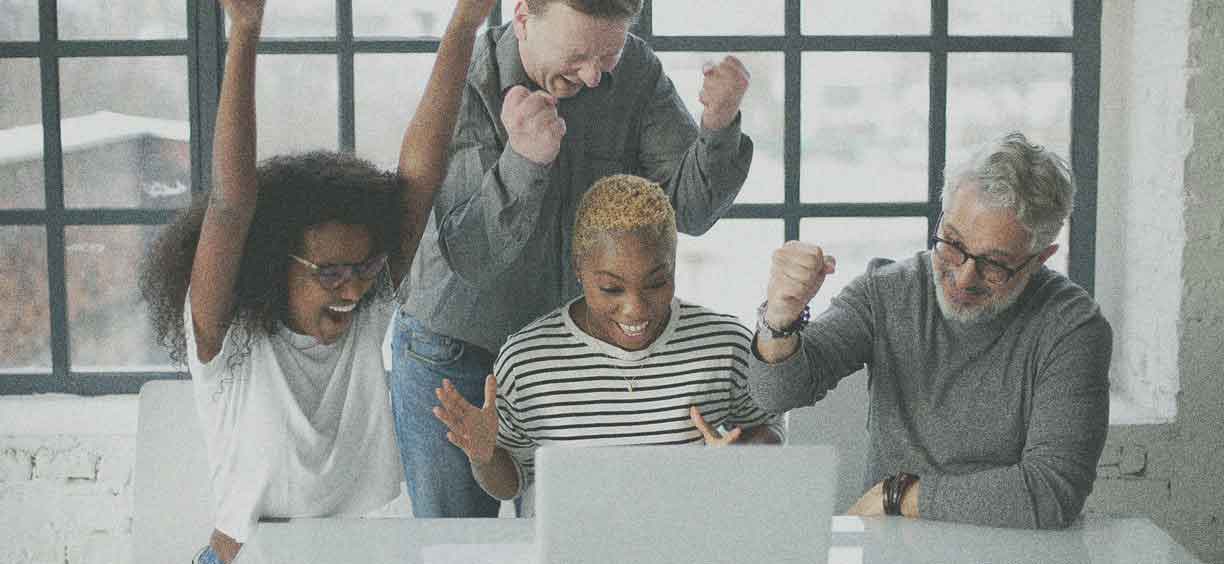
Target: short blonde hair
{"x":623,"y":203}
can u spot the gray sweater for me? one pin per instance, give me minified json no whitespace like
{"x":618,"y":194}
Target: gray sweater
{"x":1004,"y":419}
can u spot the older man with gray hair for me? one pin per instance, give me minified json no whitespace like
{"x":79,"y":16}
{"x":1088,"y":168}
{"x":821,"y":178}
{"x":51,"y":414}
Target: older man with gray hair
{"x":988,"y":372}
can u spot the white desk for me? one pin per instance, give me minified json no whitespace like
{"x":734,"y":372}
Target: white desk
{"x":1095,"y":540}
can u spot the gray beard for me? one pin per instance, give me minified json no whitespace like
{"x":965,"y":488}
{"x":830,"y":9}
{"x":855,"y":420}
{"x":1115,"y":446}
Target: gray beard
{"x":985,"y":312}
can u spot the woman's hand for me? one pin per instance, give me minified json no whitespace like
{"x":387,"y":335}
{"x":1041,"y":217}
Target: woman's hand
{"x":471,"y":429}
{"x":712,"y":437}
{"x":246,"y":15}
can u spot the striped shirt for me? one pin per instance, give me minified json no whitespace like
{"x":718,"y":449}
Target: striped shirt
{"x":557,"y":385}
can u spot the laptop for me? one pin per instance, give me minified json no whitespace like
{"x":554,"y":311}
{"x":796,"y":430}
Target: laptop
{"x":681,"y":504}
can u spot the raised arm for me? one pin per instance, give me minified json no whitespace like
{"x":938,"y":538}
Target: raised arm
{"x":702,"y":169}
{"x":231,"y":204}
{"x":422,"y":162}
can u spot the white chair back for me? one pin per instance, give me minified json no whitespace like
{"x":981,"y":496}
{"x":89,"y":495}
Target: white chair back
{"x":173,"y":503}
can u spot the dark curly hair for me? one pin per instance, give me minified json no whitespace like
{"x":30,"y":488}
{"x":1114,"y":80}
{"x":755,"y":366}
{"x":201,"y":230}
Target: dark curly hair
{"x":296,"y":192}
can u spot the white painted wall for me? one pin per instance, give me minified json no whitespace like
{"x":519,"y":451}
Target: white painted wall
{"x":1145,"y":138}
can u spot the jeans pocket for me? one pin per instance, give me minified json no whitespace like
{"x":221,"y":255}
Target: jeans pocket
{"x":432,"y":349}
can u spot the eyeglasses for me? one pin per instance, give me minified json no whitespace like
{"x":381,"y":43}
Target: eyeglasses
{"x":990,"y":270}
{"x":332,"y":276}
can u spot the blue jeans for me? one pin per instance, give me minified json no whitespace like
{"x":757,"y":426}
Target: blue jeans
{"x":438,"y":473}
{"x":206,"y":555}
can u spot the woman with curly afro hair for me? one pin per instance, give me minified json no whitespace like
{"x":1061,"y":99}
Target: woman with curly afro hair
{"x":276,"y":291}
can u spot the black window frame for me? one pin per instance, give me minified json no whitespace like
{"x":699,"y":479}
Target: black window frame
{"x":204,"y":48}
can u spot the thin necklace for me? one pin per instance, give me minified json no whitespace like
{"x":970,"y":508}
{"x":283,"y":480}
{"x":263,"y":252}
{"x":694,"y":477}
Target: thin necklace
{"x":588,"y":328}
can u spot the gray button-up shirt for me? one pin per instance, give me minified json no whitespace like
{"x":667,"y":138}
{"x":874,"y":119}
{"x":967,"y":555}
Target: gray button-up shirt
{"x":496,"y":252}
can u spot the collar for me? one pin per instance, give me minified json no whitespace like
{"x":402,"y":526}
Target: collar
{"x":510,"y":71}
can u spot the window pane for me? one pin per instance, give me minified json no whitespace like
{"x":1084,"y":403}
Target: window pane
{"x":123,"y":147}
{"x":760,"y":117}
{"x":422,"y":18}
{"x":300,"y":18}
{"x":108,"y":323}
{"x":25,"y":320}
{"x":990,"y":94}
{"x":297,"y":103}
{"x":855,"y":241}
{"x":1006,"y":17}
{"x":388,"y":89}
{"x":727,"y":268}
{"x":864,"y":136}
{"x":21,"y":135}
{"x":122,"y":19}
{"x":866,"y":17}
{"x":19,"y":20}
{"x":718,"y":17}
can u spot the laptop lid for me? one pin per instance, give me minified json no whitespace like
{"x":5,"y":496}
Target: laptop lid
{"x":670,"y":504}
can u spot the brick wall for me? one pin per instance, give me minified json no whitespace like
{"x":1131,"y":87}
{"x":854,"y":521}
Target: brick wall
{"x":66,"y":479}
{"x":66,"y":499}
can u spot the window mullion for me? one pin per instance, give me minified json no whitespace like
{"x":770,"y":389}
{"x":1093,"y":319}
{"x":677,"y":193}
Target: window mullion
{"x":346,"y":127}
{"x":53,"y":185}
{"x":1085,"y":139}
{"x":209,"y":52}
{"x":937,"y":140}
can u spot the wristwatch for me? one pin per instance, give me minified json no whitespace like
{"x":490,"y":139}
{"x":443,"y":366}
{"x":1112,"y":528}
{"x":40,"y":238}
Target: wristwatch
{"x":766,"y":332}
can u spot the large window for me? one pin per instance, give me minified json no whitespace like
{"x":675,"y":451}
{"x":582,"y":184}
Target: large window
{"x":854,"y":108}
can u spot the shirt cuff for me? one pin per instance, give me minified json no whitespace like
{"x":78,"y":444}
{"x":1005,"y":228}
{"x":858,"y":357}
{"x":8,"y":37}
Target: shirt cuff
{"x":522,"y":176}
{"x":726,"y":139}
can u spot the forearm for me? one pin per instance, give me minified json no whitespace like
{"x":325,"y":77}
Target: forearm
{"x":774,"y":351}
{"x":483,"y":236}
{"x":422,"y":161}
{"x":234,"y":186}
{"x":1028,"y":495}
{"x":709,"y":177}
{"x":497,"y":477}
{"x":785,"y":384}
{"x":226,"y":547}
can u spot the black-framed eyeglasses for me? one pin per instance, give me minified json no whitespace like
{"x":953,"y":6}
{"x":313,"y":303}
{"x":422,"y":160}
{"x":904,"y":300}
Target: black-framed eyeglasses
{"x":989,"y":269}
{"x":332,"y":276}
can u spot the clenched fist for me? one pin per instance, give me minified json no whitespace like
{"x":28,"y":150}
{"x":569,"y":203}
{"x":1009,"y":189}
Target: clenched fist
{"x":797,"y":271}
{"x":722,"y":90}
{"x":532,"y":122}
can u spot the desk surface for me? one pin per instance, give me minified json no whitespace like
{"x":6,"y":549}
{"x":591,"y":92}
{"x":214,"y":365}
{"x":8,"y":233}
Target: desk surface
{"x":1096,"y":540}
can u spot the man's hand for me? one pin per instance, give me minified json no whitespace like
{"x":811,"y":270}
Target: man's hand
{"x":711,"y":436}
{"x":797,"y":271}
{"x":471,"y":429}
{"x":469,"y":14}
{"x":871,"y":504}
{"x":532,"y":122}
{"x":722,"y":91}
{"x":244,"y":15}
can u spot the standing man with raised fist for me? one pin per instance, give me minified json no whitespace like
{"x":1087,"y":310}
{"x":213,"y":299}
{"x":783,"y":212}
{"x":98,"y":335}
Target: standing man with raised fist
{"x":557,"y":98}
